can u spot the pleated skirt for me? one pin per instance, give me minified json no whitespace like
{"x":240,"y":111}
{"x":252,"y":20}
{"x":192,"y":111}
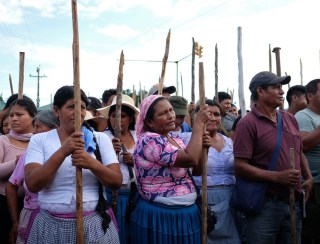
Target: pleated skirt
{"x":47,"y":229}
{"x":159,"y":223}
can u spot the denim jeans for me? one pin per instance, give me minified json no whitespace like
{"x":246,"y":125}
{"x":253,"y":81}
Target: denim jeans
{"x":273,"y":224}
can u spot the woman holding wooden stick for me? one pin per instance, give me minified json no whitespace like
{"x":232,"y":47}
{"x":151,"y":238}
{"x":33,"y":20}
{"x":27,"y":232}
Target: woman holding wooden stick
{"x":165,"y":210}
{"x":220,"y":178}
{"x":50,"y":170}
{"x":123,"y":146}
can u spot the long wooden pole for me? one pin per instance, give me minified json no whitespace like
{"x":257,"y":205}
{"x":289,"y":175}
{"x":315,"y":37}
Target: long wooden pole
{"x":276,"y":50}
{"x":240,"y":66}
{"x":117,"y":129}
{"x":292,"y":203}
{"x":301,"y":72}
{"x":21,"y":75}
{"x":164,"y":63}
{"x":77,"y":101}
{"x":270,"y":59}
{"x":205,"y":160}
{"x":216,"y":73}
{"x":192,"y":115}
{"x":11,"y":86}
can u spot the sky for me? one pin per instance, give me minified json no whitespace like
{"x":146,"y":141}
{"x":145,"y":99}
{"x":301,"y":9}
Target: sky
{"x":42,"y":29}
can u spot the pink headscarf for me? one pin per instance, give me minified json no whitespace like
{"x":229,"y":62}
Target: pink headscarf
{"x":144,"y":107}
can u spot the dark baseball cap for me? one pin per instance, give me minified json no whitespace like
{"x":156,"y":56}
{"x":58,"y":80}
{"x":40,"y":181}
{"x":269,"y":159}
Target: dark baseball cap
{"x":166,"y":89}
{"x":267,"y":78}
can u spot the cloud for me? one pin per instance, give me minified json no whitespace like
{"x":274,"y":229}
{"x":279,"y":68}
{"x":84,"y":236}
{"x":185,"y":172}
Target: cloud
{"x":119,"y":32}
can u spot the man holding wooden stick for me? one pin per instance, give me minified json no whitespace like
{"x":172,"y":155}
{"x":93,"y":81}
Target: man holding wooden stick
{"x":254,"y":145}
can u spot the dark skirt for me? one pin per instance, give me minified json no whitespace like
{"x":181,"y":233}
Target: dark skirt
{"x":123,"y":226}
{"x":159,"y":223}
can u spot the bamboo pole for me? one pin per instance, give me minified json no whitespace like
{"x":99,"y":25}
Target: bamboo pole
{"x":292,"y":203}
{"x":11,"y":87}
{"x":192,"y":115}
{"x":164,"y":62}
{"x":21,"y":75}
{"x":240,"y":66}
{"x":77,"y":101}
{"x":205,"y":160}
{"x":216,"y":73}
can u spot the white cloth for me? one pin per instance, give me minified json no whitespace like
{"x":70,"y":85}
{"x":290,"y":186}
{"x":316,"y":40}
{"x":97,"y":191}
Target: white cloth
{"x":123,"y":166}
{"x":60,"y":194}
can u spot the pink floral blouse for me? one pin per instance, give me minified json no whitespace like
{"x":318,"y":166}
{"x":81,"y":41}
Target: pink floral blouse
{"x":154,"y":167}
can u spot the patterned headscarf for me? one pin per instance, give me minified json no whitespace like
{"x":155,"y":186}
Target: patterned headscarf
{"x":144,"y":107}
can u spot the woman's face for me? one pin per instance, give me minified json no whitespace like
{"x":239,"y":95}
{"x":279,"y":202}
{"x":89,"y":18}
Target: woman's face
{"x":125,"y":120}
{"x":66,"y":114}
{"x":163,"y":120}
{"x":39,"y":127}
{"x":6,"y":125}
{"x":20,"y":120}
{"x":214,"y":123}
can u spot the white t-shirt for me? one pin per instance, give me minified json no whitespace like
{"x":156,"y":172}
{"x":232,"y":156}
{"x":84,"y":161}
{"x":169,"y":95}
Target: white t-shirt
{"x":60,"y":194}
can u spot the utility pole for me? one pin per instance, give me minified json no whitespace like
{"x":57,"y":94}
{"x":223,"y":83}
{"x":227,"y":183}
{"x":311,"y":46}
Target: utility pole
{"x":38,"y":84}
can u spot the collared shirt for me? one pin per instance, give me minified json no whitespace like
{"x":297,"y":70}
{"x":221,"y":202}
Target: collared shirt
{"x":255,"y":140}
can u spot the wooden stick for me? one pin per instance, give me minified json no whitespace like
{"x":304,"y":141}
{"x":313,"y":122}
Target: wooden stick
{"x":11,"y":87}
{"x":117,"y":129}
{"x":21,"y":75}
{"x":164,"y":63}
{"x":192,"y":115}
{"x":292,"y":203}
{"x":241,"y":91}
{"x":216,"y":73}
{"x":204,"y":162}
{"x":77,"y":101}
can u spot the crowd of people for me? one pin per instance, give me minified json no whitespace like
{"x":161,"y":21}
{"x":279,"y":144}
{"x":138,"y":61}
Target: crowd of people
{"x":141,"y":177}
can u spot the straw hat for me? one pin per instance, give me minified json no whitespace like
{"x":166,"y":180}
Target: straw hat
{"x":126,"y":101}
{"x":90,"y":116}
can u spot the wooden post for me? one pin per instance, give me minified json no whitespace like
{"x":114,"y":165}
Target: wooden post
{"x":77,"y":101}
{"x":164,"y":63}
{"x":21,"y":75}
{"x":301,"y":73}
{"x":181,"y":84}
{"x":292,"y":203}
{"x":11,"y":87}
{"x":205,"y":160}
{"x":192,"y":115}
{"x":270,"y":59}
{"x":240,"y":66}
{"x":216,"y":74}
{"x":134,"y":96}
{"x":276,"y":50}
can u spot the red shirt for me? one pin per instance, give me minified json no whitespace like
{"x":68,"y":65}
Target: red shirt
{"x":255,"y":140}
